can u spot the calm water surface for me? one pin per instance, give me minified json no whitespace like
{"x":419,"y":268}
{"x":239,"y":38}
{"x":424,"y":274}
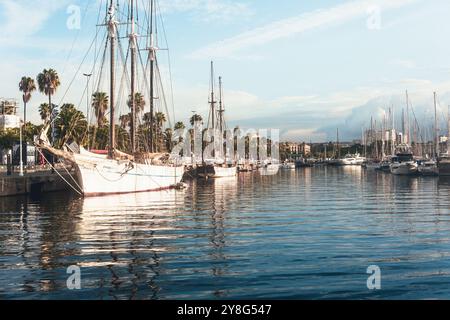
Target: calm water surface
{"x":305,"y":234}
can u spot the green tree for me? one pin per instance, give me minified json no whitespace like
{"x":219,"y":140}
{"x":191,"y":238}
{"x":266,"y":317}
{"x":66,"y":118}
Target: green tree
{"x":196,"y":118}
{"x":100,"y":101}
{"x":160,"y":119}
{"x":100,"y":104}
{"x":45,"y":112}
{"x":48,"y":82}
{"x":26,"y":86}
{"x":70,"y":125}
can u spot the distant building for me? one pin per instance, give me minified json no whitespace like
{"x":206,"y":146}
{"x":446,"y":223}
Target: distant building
{"x":305,"y":149}
{"x":8,"y":114}
{"x":295,"y":150}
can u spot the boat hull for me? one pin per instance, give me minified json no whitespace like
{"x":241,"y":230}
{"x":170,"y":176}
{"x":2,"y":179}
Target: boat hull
{"x":444,"y":168}
{"x":404,"y":169}
{"x":211,"y":171}
{"x":269,"y":170}
{"x":429,"y":171}
{"x":106,"y":177}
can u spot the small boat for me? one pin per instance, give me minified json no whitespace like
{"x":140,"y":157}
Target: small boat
{"x":371,"y":165}
{"x":351,"y":160}
{"x":428,"y":168}
{"x":288,"y":166}
{"x":269,"y":169}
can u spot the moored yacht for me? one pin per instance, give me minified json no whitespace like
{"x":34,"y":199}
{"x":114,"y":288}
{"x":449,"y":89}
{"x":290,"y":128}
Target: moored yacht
{"x":428,"y":168}
{"x":351,"y":160}
{"x":403,"y":163}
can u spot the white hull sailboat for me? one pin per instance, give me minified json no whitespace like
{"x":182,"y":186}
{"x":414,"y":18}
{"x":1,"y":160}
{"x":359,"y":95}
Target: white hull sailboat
{"x":98,"y":176}
{"x":118,"y":172}
{"x":220,"y":166}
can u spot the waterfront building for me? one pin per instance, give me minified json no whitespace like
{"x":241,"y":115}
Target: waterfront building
{"x":8,"y":114}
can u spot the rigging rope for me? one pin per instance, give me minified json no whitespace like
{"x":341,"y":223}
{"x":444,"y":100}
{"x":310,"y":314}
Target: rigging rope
{"x":54,"y":168}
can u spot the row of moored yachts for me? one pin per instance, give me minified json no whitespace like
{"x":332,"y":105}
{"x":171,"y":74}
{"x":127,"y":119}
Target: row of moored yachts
{"x":402,"y":163}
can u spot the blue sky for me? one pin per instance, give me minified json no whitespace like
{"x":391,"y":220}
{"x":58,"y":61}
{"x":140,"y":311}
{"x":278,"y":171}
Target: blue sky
{"x":305,"y":67}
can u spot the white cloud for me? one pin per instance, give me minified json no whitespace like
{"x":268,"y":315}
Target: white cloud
{"x":209,"y":10}
{"x":24,"y":18}
{"x":292,"y":26}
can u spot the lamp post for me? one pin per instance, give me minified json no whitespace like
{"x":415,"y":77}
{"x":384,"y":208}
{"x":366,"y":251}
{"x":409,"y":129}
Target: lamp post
{"x":88,"y":77}
{"x":20,"y":150}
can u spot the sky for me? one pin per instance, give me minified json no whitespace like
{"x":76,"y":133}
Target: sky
{"x":304,"y":67}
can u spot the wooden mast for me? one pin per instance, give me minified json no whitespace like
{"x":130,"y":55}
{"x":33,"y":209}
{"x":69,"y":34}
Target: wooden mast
{"x":436,"y":129}
{"x":112,"y":36}
{"x":213,"y":108}
{"x":152,"y":58}
{"x":133,"y":47}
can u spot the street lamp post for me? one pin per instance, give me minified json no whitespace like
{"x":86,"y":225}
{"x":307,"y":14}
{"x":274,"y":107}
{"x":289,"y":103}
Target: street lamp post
{"x":20,"y":150}
{"x":88,"y":77}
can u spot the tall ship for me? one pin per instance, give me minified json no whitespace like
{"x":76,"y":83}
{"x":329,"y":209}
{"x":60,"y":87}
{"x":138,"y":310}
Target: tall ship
{"x":220,"y":165}
{"x":140,"y":168}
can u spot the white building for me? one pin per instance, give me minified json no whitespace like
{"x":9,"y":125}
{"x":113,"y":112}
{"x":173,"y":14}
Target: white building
{"x":8,"y":114}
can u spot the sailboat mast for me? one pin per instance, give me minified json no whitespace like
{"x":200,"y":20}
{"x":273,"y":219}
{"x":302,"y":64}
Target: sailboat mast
{"x":221,"y":110}
{"x":337,"y":143}
{"x":407,"y":133}
{"x":212,"y":102}
{"x":112,"y":38}
{"x":448,"y":129}
{"x":133,"y":46}
{"x":436,"y":129}
{"x":152,"y":58}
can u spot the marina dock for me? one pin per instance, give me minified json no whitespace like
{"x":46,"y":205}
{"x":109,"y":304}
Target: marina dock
{"x":34,"y":181}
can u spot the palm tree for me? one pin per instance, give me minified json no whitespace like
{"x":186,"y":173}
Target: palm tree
{"x":179,"y":126}
{"x":100,"y":102}
{"x":168,"y":135}
{"x":27,"y":86}
{"x":160,"y":119}
{"x":125,"y":120}
{"x":139,"y":102}
{"x":45,"y":112}
{"x":196,"y":118}
{"x":48,"y":83}
{"x":70,"y":124}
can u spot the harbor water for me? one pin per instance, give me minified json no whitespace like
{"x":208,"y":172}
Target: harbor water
{"x":304,"y":234}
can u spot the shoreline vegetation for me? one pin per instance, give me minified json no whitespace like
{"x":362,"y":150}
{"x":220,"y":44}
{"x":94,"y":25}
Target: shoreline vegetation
{"x":69,"y":124}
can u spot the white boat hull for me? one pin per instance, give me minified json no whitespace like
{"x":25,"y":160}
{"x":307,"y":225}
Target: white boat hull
{"x":216,"y":171}
{"x":404,"y":168}
{"x":288,"y":166}
{"x":224,"y":172}
{"x":269,"y":170}
{"x":104,"y":177}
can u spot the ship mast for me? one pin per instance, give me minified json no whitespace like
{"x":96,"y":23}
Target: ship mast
{"x":152,"y":57}
{"x":213,"y":108}
{"x":221,"y":110}
{"x":133,"y":47}
{"x":221,"y":118}
{"x":212,"y":101}
{"x":436,"y":129}
{"x":112,"y":35}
